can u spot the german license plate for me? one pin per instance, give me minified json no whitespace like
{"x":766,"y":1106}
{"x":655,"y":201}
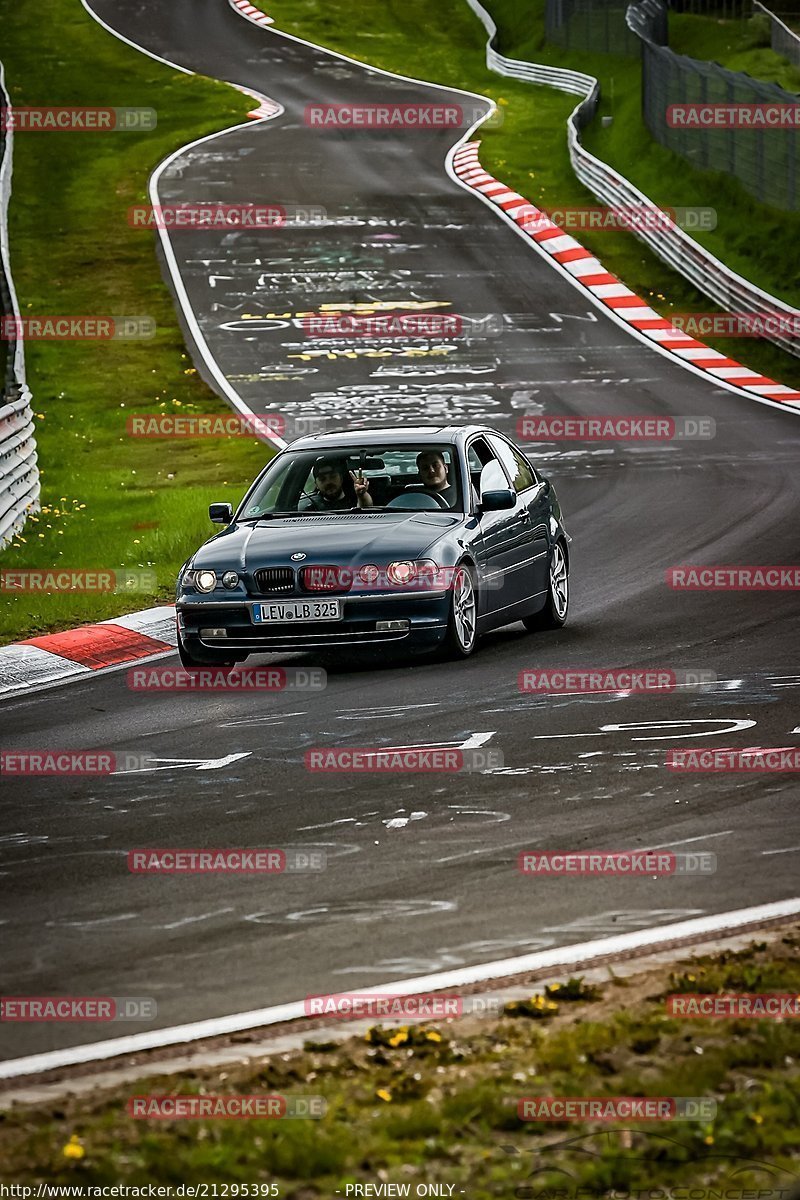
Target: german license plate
{"x":284,"y":612}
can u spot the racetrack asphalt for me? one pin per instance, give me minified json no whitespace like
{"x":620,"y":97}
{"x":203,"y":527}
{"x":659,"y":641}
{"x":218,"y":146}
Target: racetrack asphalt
{"x":421,"y":870}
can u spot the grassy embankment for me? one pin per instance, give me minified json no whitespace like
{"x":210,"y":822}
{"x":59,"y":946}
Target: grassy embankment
{"x":109,"y":500}
{"x":438,"y":1103}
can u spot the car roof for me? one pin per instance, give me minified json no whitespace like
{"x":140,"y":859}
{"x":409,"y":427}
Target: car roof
{"x":399,"y":435}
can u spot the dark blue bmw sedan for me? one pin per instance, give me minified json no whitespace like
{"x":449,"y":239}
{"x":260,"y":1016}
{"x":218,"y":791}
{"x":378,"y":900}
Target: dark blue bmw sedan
{"x":423,"y":538}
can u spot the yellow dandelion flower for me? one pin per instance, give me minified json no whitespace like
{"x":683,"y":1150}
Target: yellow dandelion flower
{"x":433,"y":1036}
{"x":709,"y":1141}
{"x":384,"y":1094}
{"x":74,"y":1148}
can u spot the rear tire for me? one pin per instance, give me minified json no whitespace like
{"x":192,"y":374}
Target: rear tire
{"x":554,"y":613}
{"x":462,"y":625}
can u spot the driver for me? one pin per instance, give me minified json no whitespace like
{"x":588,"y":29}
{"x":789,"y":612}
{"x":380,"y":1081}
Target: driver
{"x":433,"y":472}
{"x":330,"y":493}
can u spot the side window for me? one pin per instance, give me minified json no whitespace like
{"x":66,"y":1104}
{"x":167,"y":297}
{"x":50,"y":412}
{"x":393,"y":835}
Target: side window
{"x":519,"y":471}
{"x":485,"y":471}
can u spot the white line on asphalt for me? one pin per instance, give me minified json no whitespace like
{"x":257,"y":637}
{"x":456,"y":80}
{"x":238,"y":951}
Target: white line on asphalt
{"x":483,"y":850}
{"x":128,"y":42}
{"x":731,"y":724}
{"x":199,"y":764}
{"x":202,"y":917}
{"x":475,"y":740}
{"x":226,"y":389}
{"x":526,"y":842}
{"x":685,"y":841}
{"x":562,"y":956}
{"x":785,"y":850}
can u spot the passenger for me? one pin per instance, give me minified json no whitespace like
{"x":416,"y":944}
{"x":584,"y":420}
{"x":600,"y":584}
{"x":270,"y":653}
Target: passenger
{"x":433,"y":472}
{"x":336,"y":488}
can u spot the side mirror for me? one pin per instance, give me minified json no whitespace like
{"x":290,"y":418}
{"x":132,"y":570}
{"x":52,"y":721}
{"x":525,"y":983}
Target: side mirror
{"x":494,"y":501}
{"x":220,"y":514}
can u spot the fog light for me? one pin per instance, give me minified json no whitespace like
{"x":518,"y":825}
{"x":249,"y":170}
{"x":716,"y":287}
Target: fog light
{"x":213,"y":633}
{"x":391,"y":626}
{"x":230,"y":579}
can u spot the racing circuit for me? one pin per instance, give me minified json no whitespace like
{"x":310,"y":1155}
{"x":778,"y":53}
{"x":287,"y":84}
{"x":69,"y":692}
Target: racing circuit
{"x":421,"y":869}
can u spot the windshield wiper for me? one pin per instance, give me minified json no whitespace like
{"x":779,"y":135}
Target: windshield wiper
{"x":268,"y":516}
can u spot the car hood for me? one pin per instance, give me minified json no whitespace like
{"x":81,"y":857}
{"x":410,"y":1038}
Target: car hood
{"x":341,"y":540}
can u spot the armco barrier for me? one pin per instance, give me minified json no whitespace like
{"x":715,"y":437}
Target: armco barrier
{"x":671,"y":244}
{"x":19,"y":472}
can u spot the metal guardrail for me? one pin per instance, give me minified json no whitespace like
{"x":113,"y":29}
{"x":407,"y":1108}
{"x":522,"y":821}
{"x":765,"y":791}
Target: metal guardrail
{"x":783,"y":39}
{"x":19,"y":471}
{"x":672,"y":245}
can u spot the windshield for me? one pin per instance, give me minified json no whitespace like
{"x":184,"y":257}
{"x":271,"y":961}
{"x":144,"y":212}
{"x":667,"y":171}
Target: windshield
{"x":379,"y":478}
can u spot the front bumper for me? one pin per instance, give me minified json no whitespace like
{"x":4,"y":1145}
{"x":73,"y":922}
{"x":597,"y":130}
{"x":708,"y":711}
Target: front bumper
{"x":426,"y":617}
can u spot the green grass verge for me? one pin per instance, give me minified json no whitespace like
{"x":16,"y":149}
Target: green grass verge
{"x":109,"y":500}
{"x":737,"y":45}
{"x":438,"y":1103}
{"x":529,"y":151}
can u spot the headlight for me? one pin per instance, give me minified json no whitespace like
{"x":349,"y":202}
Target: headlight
{"x":424,"y":573}
{"x":205,"y":581}
{"x":401,"y":572}
{"x":230,"y":579}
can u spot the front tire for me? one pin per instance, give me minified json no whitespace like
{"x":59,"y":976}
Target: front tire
{"x":462,"y":625}
{"x":554,"y":613}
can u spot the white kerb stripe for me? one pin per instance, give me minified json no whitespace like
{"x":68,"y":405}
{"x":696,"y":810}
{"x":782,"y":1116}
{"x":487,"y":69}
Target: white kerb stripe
{"x":556,"y":245}
{"x":610,"y":289}
{"x":583,"y":266}
{"x":637,"y":314}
